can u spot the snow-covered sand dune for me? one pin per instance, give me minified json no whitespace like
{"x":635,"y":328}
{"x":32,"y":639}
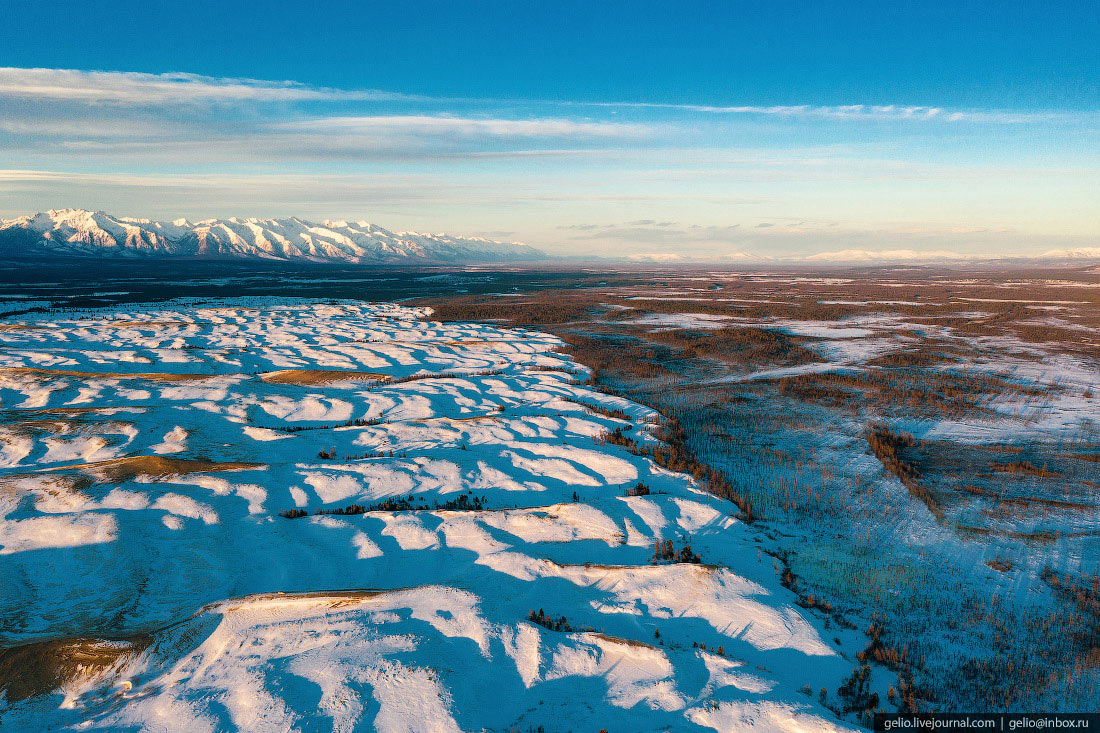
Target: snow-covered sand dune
{"x":150,"y":582}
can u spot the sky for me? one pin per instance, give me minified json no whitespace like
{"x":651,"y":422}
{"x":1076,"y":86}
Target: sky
{"x":663,"y":131}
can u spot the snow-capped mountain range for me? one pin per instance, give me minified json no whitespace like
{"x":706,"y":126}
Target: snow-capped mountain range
{"x":82,"y":233}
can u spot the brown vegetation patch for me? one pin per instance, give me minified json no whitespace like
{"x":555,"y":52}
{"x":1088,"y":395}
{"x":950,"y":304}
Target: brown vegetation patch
{"x":601,"y":410}
{"x":1026,"y":501}
{"x":783,"y":306}
{"x":1042,"y":536}
{"x":738,"y":344}
{"x":38,"y":668}
{"x":310,"y":377}
{"x":547,"y":307}
{"x":1083,"y":592}
{"x":1063,"y":336}
{"x":909,"y":359}
{"x":1017,"y":468}
{"x":889,"y":448}
{"x":940,"y":393}
{"x":619,"y":355}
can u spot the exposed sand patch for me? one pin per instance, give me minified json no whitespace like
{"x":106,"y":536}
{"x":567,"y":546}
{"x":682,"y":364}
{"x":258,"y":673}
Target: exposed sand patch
{"x":55,"y":492}
{"x":625,"y":642}
{"x":317,"y":599}
{"x":311,"y":377}
{"x":242,"y":310}
{"x":470,"y":342}
{"x":125,"y":469}
{"x":141,"y":324}
{"x":152,"y":376}
{"x":32,"y":413}
{"x":437,"y":420}
{"x":38,"y":668}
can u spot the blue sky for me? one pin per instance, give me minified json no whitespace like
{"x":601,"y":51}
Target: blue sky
{"x":645,"y":129}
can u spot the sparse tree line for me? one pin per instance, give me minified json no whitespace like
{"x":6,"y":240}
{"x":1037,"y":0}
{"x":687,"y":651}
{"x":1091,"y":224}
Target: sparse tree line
{"x":1017,"y":468}
{"x":939,"y":393}
{"x":330,"y":455}
{"x":357,"y":422}
{"x":554,"y":623}
{"x":665,"y":553}
{"x":702,"y":645}
{"x":674,"y":455}
{"x":462,"y":503}
{"x":601,"y":410}
{"x":738,"y":344}
{"x":889,"y":448}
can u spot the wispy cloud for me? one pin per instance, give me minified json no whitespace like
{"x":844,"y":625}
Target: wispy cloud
{"x":862,"y":112}
{"x":73,"y":128}
{"x":147,"y":119}
{"x":135,"y":88}
{"x":883,"y":255}
{"x":646,"y":232}
{"x":175,"y":88}
{"x":467,"y":126}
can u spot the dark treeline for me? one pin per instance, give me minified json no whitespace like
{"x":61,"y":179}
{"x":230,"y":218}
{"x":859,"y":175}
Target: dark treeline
{"x":462,"y":503}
